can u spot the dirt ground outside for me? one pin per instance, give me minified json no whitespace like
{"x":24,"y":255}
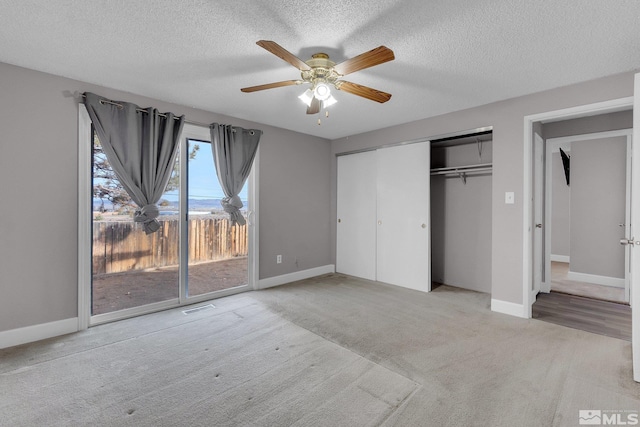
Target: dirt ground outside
{"x":112,"y":292}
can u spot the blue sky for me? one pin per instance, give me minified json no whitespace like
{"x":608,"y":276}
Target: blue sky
{"x":203,"y":182}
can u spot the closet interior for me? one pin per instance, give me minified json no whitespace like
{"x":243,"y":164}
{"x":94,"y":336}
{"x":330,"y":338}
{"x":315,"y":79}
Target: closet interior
{"x":461,"y":171}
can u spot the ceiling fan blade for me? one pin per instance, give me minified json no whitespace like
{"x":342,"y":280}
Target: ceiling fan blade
{"x":284,"y":54}
{"x":376,"y":56}
{"x":363,"y":91}
{"x":271,"y":85}
{"x":314,"y":108}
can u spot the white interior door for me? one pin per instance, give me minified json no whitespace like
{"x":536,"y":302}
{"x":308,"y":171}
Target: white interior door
{"x":635,"y":233}
{"x":356,"y":221}
{"x":403,"y":244}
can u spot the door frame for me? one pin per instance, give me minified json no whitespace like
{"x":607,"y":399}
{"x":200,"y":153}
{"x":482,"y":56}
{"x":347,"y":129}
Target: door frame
{"x":539,"y":285}
{"x":610,"y":106}
{"x":635,"y":228}
{"x":561,"y":142}
{"x":85,"y":319}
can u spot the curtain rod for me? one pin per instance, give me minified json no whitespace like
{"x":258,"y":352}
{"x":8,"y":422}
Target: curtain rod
{"x":140,"y":110}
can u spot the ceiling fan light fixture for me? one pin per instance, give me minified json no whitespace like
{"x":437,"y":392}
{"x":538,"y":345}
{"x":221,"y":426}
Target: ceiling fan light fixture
{"x":322,"y":91}
{"x":306,"y":97}
{"x":329,"y":101}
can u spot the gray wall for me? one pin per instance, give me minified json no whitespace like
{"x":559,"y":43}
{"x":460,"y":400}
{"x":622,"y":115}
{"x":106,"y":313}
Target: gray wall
{"x":506,"y":117}
{"x":598,"y":194}
{"x":38,"y":179}
{"x":560,"y":208}
{"x":461,"y":220}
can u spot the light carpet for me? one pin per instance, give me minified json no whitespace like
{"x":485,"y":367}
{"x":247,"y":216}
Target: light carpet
{"x":327,"y":351}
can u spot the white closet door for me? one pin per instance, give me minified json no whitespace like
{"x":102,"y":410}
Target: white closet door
{"x":403,"y":244}
{"x":356,"y":222}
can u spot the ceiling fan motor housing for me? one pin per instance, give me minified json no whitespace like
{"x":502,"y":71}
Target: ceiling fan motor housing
{"x":321,"y":70}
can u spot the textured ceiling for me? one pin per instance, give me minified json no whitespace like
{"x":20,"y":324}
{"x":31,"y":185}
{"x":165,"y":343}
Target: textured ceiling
{"x":450,"y":54}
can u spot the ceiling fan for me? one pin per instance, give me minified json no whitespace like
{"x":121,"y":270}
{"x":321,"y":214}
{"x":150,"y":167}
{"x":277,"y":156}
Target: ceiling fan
{"x":322,"y":73}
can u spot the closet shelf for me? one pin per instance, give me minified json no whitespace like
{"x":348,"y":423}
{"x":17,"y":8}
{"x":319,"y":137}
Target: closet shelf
{"x":453,"y":170}
{"x":462,"y":171}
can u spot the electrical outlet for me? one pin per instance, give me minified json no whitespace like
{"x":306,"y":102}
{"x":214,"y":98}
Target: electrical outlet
{"x":278,"y":259}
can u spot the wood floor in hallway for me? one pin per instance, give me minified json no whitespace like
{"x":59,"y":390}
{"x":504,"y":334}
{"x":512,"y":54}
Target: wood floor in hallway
{"x":586,"y":314}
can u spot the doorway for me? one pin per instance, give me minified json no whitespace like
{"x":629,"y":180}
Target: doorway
{"x":532,"y":123}
{"x":587,"y":211}
{"x":461,"y":212}
{"x":579,"y":122}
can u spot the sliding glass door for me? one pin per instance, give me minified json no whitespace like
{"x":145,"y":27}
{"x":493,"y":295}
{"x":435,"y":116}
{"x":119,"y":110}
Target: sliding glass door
{"x":216,"y":252}
{"x":196,"y":255}
{"x":130,"y":268}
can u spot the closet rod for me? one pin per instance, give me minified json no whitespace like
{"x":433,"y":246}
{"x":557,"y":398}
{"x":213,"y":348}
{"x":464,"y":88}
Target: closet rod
{"x":454,"y":170}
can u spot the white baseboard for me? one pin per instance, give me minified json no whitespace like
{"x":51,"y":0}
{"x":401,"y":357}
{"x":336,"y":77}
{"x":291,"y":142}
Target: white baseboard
{"x":298,"y":275}
{"x":560,"y":258}
{"x":39,"y":332}
{"x":510,"y":308}
{"x":614,"y":282}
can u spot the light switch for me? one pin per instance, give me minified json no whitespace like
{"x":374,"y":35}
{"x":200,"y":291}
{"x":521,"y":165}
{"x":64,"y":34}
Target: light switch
{"x":509,"y":198}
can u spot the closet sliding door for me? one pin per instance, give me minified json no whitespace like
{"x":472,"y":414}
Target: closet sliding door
{"x":356,"y":224}
{"x":383,"y":216}
{"x":403,"y":243}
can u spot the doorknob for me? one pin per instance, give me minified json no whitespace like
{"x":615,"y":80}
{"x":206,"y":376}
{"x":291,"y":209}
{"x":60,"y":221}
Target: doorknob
{"x":538,"y":225}
{"x":631,"y":242}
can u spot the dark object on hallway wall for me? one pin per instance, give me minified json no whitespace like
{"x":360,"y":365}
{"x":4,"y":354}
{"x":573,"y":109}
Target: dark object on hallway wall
{"x":566,"y":160}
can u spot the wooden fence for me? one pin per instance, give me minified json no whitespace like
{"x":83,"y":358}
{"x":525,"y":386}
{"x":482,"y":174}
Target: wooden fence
{"x":123,"y":246}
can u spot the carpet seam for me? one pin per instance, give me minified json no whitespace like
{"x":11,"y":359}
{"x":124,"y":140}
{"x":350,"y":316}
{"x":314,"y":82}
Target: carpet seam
{"x":354,"y":352}
{"x":404,"y":402}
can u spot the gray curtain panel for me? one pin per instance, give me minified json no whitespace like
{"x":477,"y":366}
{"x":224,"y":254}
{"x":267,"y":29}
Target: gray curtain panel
{"x":234,"y":149}
{"x":141,"y":148}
